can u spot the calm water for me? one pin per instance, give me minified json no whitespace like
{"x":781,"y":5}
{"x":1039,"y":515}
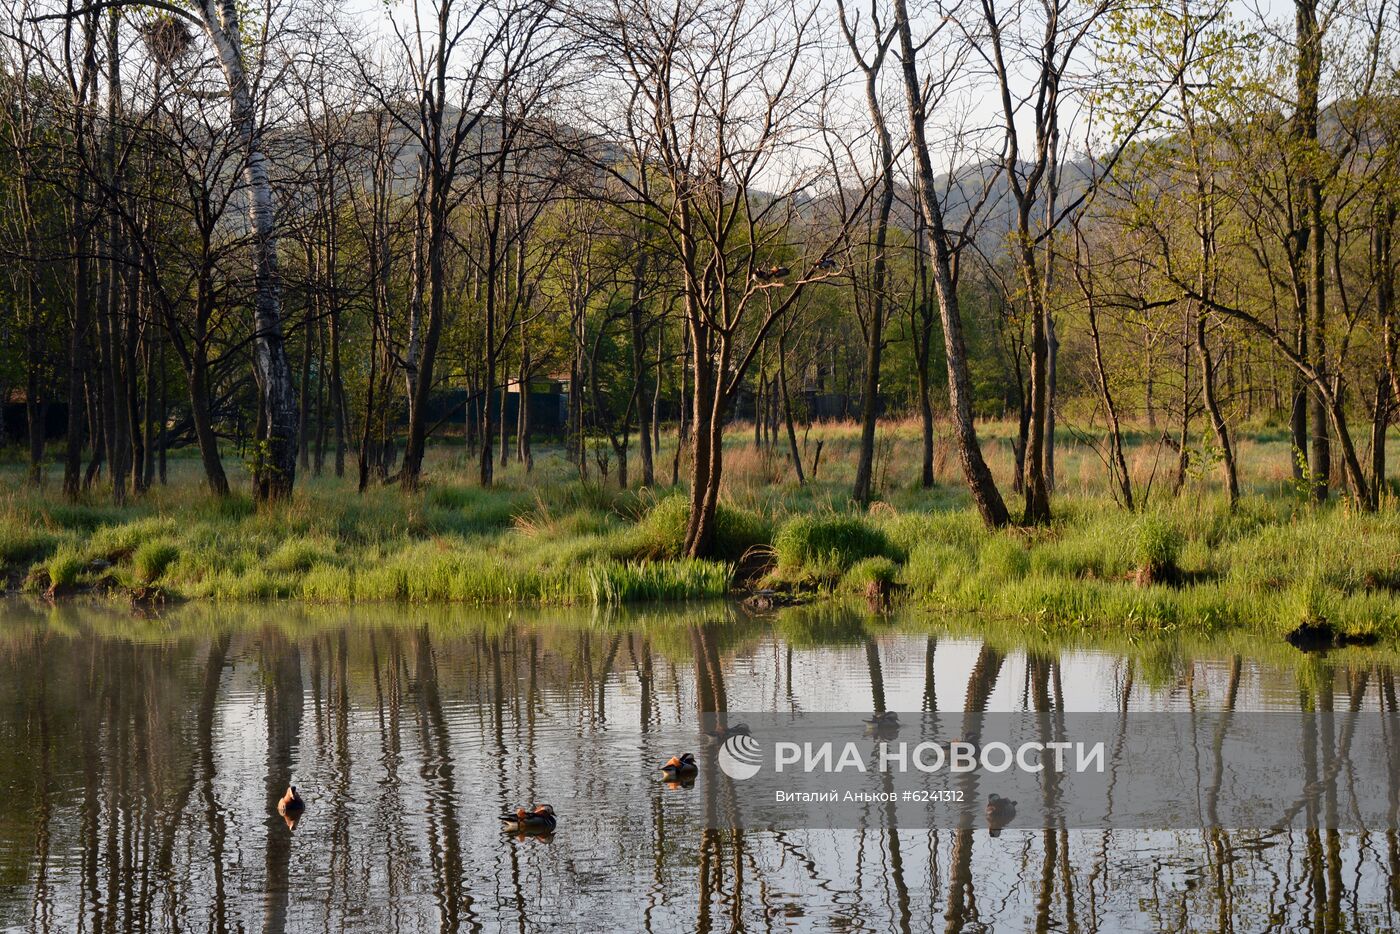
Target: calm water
{"x":140,"y":760}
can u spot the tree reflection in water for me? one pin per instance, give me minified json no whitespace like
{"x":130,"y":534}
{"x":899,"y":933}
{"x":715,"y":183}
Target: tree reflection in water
{"x":145,"y":759}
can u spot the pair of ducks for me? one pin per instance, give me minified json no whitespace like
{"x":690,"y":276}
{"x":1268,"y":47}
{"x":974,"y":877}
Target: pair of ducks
{"x":542,"y":820}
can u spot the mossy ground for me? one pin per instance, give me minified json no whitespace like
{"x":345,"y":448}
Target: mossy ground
{"x":1273,"y":562}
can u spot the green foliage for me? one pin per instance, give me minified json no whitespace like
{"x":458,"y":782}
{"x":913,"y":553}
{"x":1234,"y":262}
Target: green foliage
{"x":1158,"y":544}
{"x":64,"y":568}
{"x":118,"y":542}
{"x":661,"y":533}
{"x":299,"y":554}
{"x":880,"y":571}
{"x":21,"y":544}
{"x":826,"y":546}
{"x":152,"y":558}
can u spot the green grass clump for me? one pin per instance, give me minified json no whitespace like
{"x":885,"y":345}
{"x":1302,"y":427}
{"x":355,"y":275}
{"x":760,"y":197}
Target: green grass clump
{"x":299,"y":555}
{"x":1158,"y":545}
{"x":1306,"y":602}
{"x":152,"y":558}
{"x":1003,"y":559}
{"x":962,"y":528}
{"x":233,"y":506}
{"x":826,"y":546}
{"x":661,"y":532}
{"x":460,"y":510}
{"x":64,"y":568}
{"x":118,"y":542}
{"x":879,"y":571}
{"x":685,"y":579}
{"x":936,"y":570}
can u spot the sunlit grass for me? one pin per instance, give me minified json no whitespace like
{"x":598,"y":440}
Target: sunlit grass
{"x":547,"y":537}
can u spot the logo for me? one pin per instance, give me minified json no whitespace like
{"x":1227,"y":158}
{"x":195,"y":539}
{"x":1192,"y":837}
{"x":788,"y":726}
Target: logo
{"x":740,"y":757}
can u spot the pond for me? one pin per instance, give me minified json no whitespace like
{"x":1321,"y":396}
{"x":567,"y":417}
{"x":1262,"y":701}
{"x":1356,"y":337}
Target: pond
{"x":143,"y":759}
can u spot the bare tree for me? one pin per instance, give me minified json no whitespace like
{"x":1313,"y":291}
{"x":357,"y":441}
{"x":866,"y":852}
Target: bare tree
{"x":714,"y":96}
{"x":944,"y":247}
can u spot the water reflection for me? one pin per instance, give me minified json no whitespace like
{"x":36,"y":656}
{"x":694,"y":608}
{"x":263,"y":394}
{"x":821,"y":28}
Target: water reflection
{"x":146,"y":759}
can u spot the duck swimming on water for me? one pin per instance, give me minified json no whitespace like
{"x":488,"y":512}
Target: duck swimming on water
{"x":540,"y":820}
{"x":883,"y":724}
{"x":722,"y":733}
{"x":291,"y":802}
{"x":1000,"y":812}
{"x":680,"y":768}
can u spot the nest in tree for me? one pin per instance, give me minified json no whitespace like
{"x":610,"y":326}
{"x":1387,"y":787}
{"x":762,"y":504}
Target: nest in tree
{"x":167,"y":38}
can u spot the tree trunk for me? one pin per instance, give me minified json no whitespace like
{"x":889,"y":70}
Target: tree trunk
{"x":1115,"y":433}
{"x":339,"y":409}
{"x":410,"y":475}
{"x":1308,"y":39}
{"x":793,"y":452}
{"x":710,"y":366}
{"x":1212,"y":406}
{"x":979,"y":477}
{"x":273,"y":373}
{"x":204,"y":428}
{"x":33,"y":411}
{"x":1036,"y":490}
{"x":1380,"y":422}
{"x":874,"y":330}
{"x":78,"y":347}
{"x":639,"y":390}
{"x":921,"y":325}
{"x":304,"y":395}
{"x":522,"y":412}
{"x":1183,"y":443}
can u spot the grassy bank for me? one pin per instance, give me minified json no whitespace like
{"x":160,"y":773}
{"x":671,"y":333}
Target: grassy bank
{"x":1186,"y":563}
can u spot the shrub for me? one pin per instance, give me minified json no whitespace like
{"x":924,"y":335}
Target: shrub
{"x":828,"y":546}
{"x":152,"y":558}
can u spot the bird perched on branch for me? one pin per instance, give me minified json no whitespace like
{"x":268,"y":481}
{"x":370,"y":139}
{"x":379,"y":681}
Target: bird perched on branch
{"x":770,"y":273}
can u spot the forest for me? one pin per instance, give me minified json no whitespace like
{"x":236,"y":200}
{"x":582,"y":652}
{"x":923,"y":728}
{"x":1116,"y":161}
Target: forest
{"x":1073,"y":310}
